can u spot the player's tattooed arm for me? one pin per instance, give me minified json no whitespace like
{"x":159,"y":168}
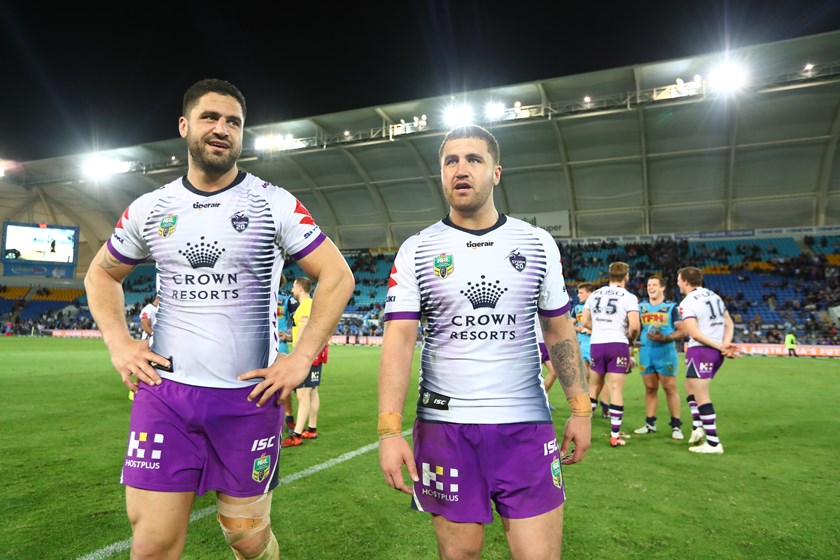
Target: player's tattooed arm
{"x":108,"y":261}
{"x":568,"y":363}
{"x":567,"y":358}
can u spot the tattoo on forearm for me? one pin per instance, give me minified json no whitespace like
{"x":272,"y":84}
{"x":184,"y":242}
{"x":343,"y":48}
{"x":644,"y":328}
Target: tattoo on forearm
{"x":568,"y":363}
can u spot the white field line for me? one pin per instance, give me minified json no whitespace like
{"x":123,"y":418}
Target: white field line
{"x":121,"y":546}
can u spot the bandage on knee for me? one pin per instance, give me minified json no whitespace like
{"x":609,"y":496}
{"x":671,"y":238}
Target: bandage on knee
{"x":245,"y":520}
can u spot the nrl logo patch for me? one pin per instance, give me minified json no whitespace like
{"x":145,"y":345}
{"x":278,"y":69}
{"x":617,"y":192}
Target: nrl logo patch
{"x":557,"y":473}
{"x":517,"y":260}
{"x":239,"y":221}
{"x":426,"y":397}
{"x":443,"y":266}
{"x":262,"y":466}
{"x":167,"y":225}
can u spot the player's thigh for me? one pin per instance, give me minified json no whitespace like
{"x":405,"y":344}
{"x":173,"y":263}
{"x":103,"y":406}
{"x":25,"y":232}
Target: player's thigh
{"x":535,"y":538}
{"x":668,"y":382}
{"x":458,"y":540}
{"x":651,"y":380}
{"x":160,"y":517}
{"x":616,"y":381}
{"x":699,"y":388}
{"x":303,"y":393}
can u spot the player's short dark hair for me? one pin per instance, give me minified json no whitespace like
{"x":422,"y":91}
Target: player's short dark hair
{"x":211,"y":85}
{"x":473,"y":131}
{"x":691,"y":275}
{"x":304,"y":283}
{"x":588,"y":286}
{"x":657,"y":276}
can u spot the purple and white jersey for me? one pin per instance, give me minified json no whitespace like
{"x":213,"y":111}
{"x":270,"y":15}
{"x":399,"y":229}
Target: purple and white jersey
{"x":707,"y":307}
{"x":480,"y":292}
{"x":609,"y":307}
{"x":219,"y":258}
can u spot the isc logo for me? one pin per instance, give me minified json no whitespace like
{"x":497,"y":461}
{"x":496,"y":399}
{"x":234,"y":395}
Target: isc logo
{"x":550,"y":448}
{"x":265,"y":443}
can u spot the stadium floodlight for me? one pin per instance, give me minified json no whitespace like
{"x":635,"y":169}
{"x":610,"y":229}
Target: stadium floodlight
{"x":494,"y":111}
{"x":100,"y":167}
{"x":728,"y":77}
{"x":277,"y":142}
{"x":458,"y":115}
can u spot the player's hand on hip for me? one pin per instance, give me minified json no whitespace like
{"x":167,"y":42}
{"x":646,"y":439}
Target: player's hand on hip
{"x":280,"y":378}
{"x":134,"y":358}
{"x":394,"y":452}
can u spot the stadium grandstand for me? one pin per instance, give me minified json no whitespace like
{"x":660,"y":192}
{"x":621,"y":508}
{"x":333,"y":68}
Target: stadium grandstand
{"x":725,"y":161}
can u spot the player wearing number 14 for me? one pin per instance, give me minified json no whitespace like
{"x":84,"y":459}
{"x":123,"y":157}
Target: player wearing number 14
{"x":710,"y":327}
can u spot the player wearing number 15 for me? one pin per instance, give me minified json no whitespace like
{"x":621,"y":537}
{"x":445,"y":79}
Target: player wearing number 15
{"x":612,"y":314}
{"x":707,"y":322}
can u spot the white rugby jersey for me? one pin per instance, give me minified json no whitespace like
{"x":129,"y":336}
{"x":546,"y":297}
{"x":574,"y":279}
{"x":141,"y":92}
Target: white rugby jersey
{"x":609,"y":307}
{"x":219,"y":258}
{"x":708,"y":308}
{"x":148,"y":312}
{"x":480,"y":292}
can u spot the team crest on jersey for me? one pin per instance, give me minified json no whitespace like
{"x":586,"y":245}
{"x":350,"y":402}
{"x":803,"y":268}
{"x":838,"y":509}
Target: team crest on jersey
{"x":444,"y":265}
{"x":239,"y":221}
{"x":167,"y":225}
{"x":517,"y":260}
{"x":262,"y":466}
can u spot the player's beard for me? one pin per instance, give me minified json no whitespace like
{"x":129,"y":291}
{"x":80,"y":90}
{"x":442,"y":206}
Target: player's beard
{"x":474,"y":203}
{"x":210,"y":162}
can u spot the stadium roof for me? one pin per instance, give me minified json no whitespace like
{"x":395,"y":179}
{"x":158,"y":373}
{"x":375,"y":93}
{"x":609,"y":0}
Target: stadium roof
{"x":625,"y":151}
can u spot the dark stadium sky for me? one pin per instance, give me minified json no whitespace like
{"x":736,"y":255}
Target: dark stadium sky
{"x":75,"y":80}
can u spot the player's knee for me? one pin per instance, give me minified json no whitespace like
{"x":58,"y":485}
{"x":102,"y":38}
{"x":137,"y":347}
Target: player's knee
{"x":247,"y":529}
{"x":460,"y":549}
{"x":146,"y":548}
{"x":154,"y":543}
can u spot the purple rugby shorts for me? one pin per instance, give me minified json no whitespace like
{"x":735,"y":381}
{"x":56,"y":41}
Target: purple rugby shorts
{"x":184,"y":438}
{"x":543,"y":353}
{"x":702,"y":362}
{"x":609,"y":357}
{"x":466,"y":468}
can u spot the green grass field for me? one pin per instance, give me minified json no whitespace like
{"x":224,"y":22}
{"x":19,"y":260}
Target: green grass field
{"x":773,"y":495}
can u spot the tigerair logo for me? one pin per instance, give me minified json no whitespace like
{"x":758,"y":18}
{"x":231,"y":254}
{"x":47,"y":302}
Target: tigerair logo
{"x":476,"y":245}
{"x":202,"y":205}
{"x":440,"y":483}
{"x":144,"y":452}
{"x":203,"y":254}
{"x":484,"y":293}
